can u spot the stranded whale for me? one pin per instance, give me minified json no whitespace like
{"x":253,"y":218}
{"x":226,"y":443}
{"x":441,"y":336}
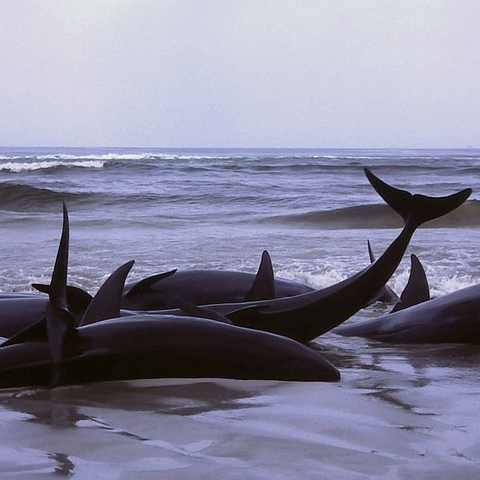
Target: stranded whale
{"x":452,"y":318}
{"x":203,"y":287}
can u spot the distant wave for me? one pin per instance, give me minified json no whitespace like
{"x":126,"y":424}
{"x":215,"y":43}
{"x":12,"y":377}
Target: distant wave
{"x":376,"y":216}
{"x":119,"y":156}
{"x":16,"y":167}
{"x":150,"y":155}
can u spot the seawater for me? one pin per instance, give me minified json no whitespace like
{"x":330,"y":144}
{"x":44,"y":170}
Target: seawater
{"x":399,"y":412}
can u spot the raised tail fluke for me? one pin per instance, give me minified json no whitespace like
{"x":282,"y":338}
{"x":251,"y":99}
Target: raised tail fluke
{"x":416,"y":209}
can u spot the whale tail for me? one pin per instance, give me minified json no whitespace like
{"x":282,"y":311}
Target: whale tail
{"x":416,"y":209}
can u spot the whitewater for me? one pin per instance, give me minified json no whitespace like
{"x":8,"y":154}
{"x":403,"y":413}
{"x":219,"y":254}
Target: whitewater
{"x":399,"y":411}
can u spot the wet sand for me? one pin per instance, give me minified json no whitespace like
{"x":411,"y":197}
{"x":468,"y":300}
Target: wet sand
{"x":398,"y":413}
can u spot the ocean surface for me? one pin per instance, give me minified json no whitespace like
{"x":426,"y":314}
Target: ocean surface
{"x":399,"y":411}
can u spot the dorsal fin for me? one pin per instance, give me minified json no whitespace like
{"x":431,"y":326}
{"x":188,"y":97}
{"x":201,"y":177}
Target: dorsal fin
{"x":106,"y":303}
{"x":417,"y":289}
{"x":263,"y":287}
{"x":370,"y":252}
{"x":201,"y":312}
{"x":148,"y":282}
{"x":77,"y":298}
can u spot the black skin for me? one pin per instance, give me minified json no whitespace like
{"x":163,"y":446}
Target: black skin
{"x":161,"y":347}
{"x":452,"y":318}
{"x":203,"y":287}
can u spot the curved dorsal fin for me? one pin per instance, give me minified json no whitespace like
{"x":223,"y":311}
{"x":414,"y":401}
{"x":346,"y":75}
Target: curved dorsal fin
{"x":417,"y":289}
{"x":263,"y":287}
{"x":106,"y":303}
{"x":148,"y":282}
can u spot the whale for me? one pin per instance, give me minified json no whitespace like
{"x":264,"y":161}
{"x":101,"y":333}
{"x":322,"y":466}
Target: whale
{"x":307,"y":316}
{"x":451,"y":318}
{"x":56,"y":351}
{"x":203,"y":287}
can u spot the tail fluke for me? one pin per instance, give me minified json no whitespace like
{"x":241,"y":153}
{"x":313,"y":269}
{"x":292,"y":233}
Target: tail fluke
{"x":416,"y":209}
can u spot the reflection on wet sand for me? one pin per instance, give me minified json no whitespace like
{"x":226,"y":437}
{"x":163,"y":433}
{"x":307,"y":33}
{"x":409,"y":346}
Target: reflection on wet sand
{"x":64,"y":466}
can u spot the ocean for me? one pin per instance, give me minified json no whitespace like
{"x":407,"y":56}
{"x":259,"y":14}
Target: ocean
{"x":399,"y":411}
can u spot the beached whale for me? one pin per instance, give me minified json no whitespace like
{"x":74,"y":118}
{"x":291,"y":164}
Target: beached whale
{"x":202,"y":287}
{"x":55,"y":352}
{"x":452,"y":318}
{"x":305,"y":317}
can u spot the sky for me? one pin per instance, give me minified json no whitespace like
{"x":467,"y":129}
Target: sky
{"x":240,"y":73}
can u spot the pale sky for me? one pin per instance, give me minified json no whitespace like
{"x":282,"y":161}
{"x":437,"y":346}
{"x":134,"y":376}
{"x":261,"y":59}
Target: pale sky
{"x":231,"y":73}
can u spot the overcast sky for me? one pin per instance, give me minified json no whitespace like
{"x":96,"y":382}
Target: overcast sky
{"x":226,"y":73}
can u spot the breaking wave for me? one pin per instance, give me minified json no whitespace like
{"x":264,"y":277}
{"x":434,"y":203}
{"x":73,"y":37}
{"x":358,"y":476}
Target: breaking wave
{"x":376,"y":216}
{"x":17,"y":167}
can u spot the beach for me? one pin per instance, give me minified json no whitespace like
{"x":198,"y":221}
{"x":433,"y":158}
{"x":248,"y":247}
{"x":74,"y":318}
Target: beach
{"x":399,"y":412}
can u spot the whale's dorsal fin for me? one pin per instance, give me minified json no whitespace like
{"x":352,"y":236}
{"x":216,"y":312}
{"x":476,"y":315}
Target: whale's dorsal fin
{"x":263,"y":287}
{"x":77,"y":299}
{"x":201,"y":312}
{"x":148,"y":282}
{"x":106,"y":303}
{"x":386,"y":294}
{"x":417,"y":289}
{"x":370,"y":252}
